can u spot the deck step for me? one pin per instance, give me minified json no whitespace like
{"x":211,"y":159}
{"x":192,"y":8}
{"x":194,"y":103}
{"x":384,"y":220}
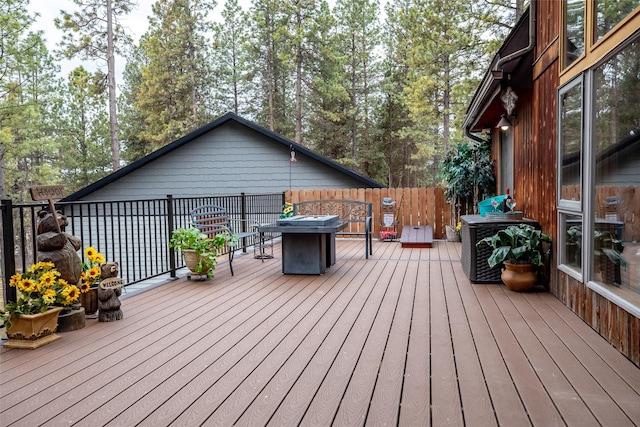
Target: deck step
{"x":417,"y":236}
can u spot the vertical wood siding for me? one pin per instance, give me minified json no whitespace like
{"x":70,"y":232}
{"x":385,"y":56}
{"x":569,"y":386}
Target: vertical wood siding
{"x":536,"y":156}
{"x":616,"y":325}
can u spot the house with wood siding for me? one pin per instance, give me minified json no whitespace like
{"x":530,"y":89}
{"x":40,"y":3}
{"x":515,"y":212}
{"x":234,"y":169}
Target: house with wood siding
{"x":230,"y":155}
{"x":567,"y":81}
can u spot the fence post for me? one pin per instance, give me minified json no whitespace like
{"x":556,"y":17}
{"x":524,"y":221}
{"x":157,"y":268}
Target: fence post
{"x":9,"y":267}
{"x":243,"y":223}
{"x":170,"y":227}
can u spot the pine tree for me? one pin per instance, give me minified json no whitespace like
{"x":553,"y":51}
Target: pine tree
{"x":269,"y":73}
{"x":27,"y":90}
{"x":359,"y":31}
{"x":95,"y":33}
{"x":83,"y":132}
{"x":232,"y":62}
{"x":172,"y":94}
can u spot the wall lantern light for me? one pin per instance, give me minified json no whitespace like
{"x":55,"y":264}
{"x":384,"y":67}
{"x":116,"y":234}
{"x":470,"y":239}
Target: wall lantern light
{"x":504,"y":122}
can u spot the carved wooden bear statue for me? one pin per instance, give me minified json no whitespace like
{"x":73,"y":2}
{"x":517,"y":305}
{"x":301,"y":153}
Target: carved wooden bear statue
{"x":60,"y":248}
{"x":108,"y":301}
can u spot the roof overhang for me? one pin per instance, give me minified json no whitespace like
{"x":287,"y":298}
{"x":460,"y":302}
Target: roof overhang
{"x":486,"y":108}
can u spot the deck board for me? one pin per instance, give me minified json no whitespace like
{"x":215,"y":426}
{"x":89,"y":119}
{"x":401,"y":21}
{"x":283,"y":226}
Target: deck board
{"x":402,"y":338}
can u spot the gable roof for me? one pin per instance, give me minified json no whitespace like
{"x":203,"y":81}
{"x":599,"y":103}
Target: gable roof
{"x":367,"y":182}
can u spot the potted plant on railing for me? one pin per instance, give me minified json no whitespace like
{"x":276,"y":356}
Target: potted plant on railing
{"x":200,"y":252}
{"x":32,"y":320}
{"x":520,"y":248}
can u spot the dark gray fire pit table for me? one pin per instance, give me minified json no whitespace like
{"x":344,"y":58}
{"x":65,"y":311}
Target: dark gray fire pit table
{"x":308,"y":242}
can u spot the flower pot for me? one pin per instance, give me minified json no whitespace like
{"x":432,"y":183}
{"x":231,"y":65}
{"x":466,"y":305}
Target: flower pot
{"x":519,"y":277}
{"x":452,"y":234}
{"x":191,"y":259}
{"x":89,"y":301}
{"x":33,"y":330}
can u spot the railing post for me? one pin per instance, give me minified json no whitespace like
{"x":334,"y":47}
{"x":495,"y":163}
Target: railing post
{"x":243,"y":222}
{"x":9,"y":267}
{"x":170,"y":228}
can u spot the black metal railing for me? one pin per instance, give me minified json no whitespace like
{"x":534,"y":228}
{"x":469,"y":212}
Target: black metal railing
{"x":134,"y":233}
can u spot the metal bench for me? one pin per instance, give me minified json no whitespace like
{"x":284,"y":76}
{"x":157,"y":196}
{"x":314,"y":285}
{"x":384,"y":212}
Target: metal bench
{"x":349,"y":211}
{"x":213,"y":219}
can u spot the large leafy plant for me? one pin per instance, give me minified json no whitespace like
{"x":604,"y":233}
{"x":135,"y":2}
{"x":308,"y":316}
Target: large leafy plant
{"x":469,"y":175}
{"x":520,"y":243}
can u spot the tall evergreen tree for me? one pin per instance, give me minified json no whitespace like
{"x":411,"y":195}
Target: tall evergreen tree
{"x":359,"y":32}
{"x":83,"y":131}
{"x":232,"y":62}
{"x":328,"y":99}
{"x":270,"y":74}
{"x":445,"y":65}
{"x":95,"y":33}
{"x":172,"y":94}
{"x":27,"y":86}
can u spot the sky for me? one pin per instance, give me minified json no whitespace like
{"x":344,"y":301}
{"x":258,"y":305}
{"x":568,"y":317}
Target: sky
{"x":136,"y":24}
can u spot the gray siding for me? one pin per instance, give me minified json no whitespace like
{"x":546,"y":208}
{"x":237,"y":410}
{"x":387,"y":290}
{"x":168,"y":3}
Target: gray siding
{"x":230,"y":159}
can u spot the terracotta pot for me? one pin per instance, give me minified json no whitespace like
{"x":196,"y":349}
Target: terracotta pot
{"x":519,"y":277}
{"x":33,"y":330}
{"x":191,"y":259}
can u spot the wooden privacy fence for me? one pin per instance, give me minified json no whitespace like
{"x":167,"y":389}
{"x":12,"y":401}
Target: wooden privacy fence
{"x":414,"y":206}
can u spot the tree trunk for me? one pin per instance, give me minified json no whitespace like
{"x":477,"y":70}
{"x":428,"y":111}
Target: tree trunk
{"x":111,"y":76}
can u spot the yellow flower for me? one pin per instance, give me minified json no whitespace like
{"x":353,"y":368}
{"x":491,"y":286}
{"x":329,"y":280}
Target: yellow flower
{"x":48,"y":279}
{"x":15,"y":280}
{"x":84,"y":287}
{"x":49,"y":296}
{"x":71,"y":293}
{"x":94,"y":272}
{"x":98,"y":259}
{"x":27,"y":285}
{"x":90,"y":252}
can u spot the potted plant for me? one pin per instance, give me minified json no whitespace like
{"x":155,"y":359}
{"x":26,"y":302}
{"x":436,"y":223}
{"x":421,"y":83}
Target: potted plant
{"x":32,"y":320}
{"x":468,"y":173}
{"x":607,"y":253}
{"x":200,"y":251}
{"x":520,"y":248}
{"x":89,"y":279}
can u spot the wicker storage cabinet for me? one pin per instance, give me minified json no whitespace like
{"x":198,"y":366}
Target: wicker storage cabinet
{"x":475,"y":260}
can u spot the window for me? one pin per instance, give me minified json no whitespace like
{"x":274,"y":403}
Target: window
{"x":570,"y":145}
{"x":615,"y":150}
{"x":608,"y":13}
{"x":574,"y":30}
{"x":571,"y":243}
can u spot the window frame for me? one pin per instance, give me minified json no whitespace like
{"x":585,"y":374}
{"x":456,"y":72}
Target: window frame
{"x":574,"y":206}
{"x":565,"y":64}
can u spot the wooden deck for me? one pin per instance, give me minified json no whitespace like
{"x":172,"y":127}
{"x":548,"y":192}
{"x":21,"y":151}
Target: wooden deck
{"x":400,"y":339}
